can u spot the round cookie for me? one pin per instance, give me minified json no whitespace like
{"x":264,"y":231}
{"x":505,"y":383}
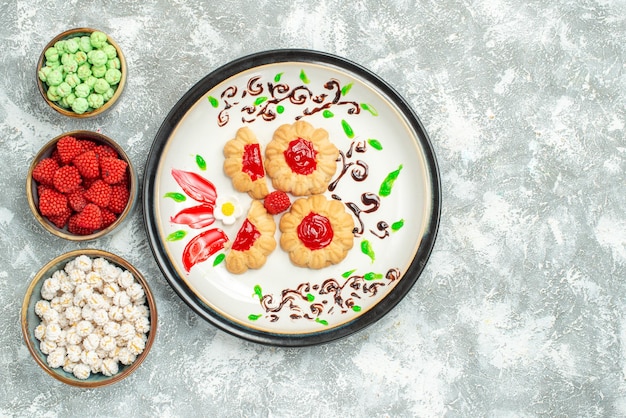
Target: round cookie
{"x":316,"y":232}
{"x":300,"y":159}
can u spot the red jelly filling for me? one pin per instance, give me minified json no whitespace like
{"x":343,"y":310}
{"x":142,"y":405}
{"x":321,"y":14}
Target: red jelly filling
{"x":252,"y":163}
{"x":315,"y":231}
{"x":300,"y":156}
{"x":246,"y":236}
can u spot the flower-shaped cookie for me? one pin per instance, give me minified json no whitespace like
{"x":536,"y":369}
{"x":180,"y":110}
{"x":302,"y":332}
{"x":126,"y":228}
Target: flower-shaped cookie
{"x":316,"y":232}
{"x":300,"y":159}
{"x":244,"y":164}
{"x":254,"y":241}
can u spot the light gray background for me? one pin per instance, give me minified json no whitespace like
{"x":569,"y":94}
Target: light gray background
{"x":521,"y":308}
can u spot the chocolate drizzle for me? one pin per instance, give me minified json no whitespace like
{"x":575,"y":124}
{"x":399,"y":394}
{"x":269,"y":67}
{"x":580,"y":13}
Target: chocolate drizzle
{"x":312,"y":301}
{"x":268,"y":98}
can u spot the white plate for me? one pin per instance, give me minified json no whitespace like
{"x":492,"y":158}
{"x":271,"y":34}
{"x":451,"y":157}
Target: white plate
{"x":378,"y":135}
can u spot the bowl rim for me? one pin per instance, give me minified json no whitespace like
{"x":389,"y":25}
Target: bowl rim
{"x":72,"y":33}
{"x":32,"y":195}
{"x":41,"y":275}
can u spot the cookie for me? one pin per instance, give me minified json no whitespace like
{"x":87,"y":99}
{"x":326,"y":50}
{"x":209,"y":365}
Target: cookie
{"x":254,"y":241}
{"x":244,"y":164}
{"x":300,"y":159}
{"x":316,"y":232}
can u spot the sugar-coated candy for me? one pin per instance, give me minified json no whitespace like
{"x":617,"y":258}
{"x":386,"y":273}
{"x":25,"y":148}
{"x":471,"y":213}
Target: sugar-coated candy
{"x":110,"y":367}
{"x":81,"y":371}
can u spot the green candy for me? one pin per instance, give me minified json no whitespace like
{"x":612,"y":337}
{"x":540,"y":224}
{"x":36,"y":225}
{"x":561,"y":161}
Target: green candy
{"x":110,"y":51}
{"x":84,"y":71}
{"x":95,"y":100}
{"x":64,"y":89}
{"x":91,"y":80}
{"x":85,"y":44}
{"x":80,"y":57}
{"x":97,"y":57}
{"x":113,"y":76}
{"x":70,"y":65}
{"x":114,"y":63}
{"x":98,"y":71}
{"x":52,"y":94}
{"x":108,"y":94}
{"x":55,"y":77}
{"x":71,"y":45}
{"x":101,"y":86}
{"x":69,"y":99}
{"x":98,"y":39}
{"x":43,"y":73}
{"x":52,"y":54}
{"x":60,"y":46}
{"x":73,"y":80}
{"x":82,"y":90}
{"x":80,"y":105}
{"x":53,"y":64}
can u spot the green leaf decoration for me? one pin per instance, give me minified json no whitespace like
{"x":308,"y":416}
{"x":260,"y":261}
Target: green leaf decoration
{"x":347,"y":129}
{"x":201,"y":163}
{"x":214,"y":102}
{"x":220,"y":257}
{"x":304,"y":77}
{"x":346,"y":89}
{"x":321,"y":321}
{"x":374,"y":143}
{"x":366,"y":248}
{"x":258,"y":291}
{"x":387,"y":184}
{"x":370,"y":109}
{"x":176,"y":235}
{"x":310,"y":297}
{"x":397,"y":225}
{"x":348,"y":273}
{"x":277,"y":77}
{"x":328,"y":114}
{"x":356,"y":308}
{"x":254,"y":317}
{"x":177,"y":197}
{"x":260,"y":100}
{"x":280,"y":109}
{"x":372,"y":276}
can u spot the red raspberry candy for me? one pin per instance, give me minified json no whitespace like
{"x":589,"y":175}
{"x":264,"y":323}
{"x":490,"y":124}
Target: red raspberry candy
{"x":43,"y":172}
{"x":277,"y":202}
{"x":61,"y":220}
{"x":87,"y":164}
{"x":68,"y":148}
{"x":52,"y":203}
{"x":119,"y":198}
{"x":67,"y":179}
{"x":90,"y":219}
{"x":112,"y":169}
{"x":77,"y":200}
{"x":108,"y":217}
{"x":103,"y":150}
{"x":99,"y":193}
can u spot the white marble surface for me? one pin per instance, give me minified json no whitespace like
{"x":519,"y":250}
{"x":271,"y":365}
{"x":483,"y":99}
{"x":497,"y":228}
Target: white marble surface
{"x":521,"y":308}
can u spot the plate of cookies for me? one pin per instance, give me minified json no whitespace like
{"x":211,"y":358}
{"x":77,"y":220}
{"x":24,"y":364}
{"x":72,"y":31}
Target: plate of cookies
{"x":291,"y":197}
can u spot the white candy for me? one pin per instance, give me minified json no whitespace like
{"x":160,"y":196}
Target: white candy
{"x":84,"y":328}
{"x":94,"y":318}
{"x":100,"y":317}
{"x":53,"y":332}
{"x":91,"y":342}
{"x":41,"y":307}
{"x":110,"y":367}
{"x":56,"y":358}
{"x":121,"y":299}
{"x":81,"y":371}
{"x":125,"y":279}
{"x":40,"y":332}
{"x":73,"y":353}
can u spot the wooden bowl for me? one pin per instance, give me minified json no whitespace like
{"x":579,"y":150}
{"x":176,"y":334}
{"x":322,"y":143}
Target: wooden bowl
{"x":30,"y":319}
{"x":43,"y":86}
{"x":33,"y":197}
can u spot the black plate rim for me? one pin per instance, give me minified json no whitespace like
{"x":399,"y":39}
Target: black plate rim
{"x":175,"y":115}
